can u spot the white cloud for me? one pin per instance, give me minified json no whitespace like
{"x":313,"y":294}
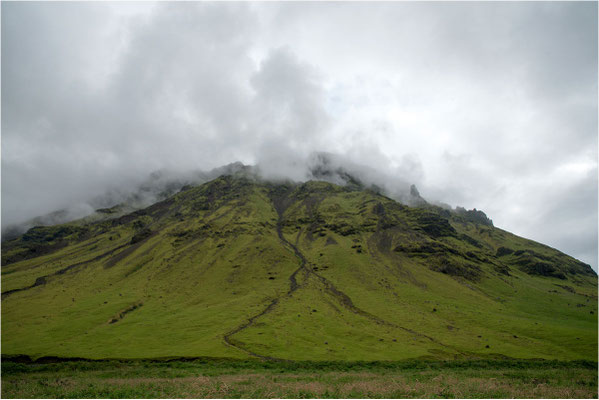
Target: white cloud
{"x":487,"y":105}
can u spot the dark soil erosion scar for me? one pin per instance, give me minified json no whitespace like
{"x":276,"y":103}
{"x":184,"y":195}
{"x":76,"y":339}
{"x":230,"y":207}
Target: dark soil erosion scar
{"x":141,"y":236}
{"x":42,"y":280}
{"x":280,"y":206}
{"x":134,"y":245}
{"x":124,"y":312}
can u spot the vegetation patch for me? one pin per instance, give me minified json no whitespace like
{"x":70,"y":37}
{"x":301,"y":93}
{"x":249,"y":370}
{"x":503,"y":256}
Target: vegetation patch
{"x":503,"y":251}
{"x":475,"y":216}
{"x":41,"y":240}
{"x":532,"y":266}
{"x":251,"y":379}
{"x":435,"y":226}
{"x":448,"y":266}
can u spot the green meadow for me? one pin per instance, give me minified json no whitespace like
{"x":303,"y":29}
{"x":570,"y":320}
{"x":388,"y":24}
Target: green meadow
{"x":255,"y":379}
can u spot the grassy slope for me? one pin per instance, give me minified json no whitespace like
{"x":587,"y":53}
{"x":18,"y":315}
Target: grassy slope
{"x":208,"y":275}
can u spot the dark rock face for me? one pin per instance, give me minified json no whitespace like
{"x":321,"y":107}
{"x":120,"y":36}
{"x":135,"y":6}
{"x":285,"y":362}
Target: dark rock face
{"x":534,"y":267}
{"x":502,"y":269}
{"x":414,"y":191}
{"x":415,"y":199}
{"x":557,"y":266}
{"x":379,"y":210}
{"x":471,"y":241}
{"x":40,"y":234}
{"x":445,"y":259}
{"x":41,"y":240}
{"x":467,"y":271}
{"x":503,"y":251}
{"x":436,"y":226}
{"x":474,"y":216}
{"x":421,"y":249}
{"x":141,"y":235}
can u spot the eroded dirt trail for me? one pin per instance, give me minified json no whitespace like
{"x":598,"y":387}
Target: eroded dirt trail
{"x":281,"y":204}
{"x":293,"y":286}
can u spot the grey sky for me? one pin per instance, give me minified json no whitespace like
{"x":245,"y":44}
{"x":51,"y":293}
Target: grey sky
{"x":486,"y":105}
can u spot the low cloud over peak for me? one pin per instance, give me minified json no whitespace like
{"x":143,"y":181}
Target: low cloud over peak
{"x":486,"y":105}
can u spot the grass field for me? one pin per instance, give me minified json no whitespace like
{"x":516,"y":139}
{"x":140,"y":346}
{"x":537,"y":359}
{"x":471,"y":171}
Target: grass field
{"x":255,"y":379}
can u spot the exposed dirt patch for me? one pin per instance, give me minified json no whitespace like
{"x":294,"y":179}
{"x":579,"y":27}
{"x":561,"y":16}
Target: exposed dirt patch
{"x":330,"y":241}
{"x":124,"y":312}
{"x":567,"y":288}
{"x":141,"y":235}
{"x":42,"y":280}
{"x":128,"y":251}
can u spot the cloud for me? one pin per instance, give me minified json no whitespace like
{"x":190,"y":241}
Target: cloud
{"x":288,"y":102}
{"x":486,"y":105}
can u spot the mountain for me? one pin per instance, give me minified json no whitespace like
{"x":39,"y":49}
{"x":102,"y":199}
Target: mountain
{"x":241,"y":267}
{"x":119,"y":201}
{"x":161,"y":184}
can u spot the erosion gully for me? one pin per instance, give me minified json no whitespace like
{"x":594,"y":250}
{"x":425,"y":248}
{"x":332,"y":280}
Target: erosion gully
{"x":281,"y":203}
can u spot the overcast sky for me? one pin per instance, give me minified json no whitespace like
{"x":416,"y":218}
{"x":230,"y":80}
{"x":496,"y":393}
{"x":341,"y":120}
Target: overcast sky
{"x":491,"y":105}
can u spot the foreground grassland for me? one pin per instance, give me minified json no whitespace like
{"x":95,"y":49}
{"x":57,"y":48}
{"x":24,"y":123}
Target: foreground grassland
{"x":254,"y":379}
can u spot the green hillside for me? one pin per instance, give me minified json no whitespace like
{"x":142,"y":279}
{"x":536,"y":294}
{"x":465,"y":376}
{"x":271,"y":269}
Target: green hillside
{"x":242,"y":268}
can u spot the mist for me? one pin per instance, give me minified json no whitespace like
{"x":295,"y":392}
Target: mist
{"x":482,"y":105}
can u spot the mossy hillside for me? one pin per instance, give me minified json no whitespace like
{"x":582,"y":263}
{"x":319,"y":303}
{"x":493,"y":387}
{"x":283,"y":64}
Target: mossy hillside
{"x":236,"y":268}
{"x":449,"y":303}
